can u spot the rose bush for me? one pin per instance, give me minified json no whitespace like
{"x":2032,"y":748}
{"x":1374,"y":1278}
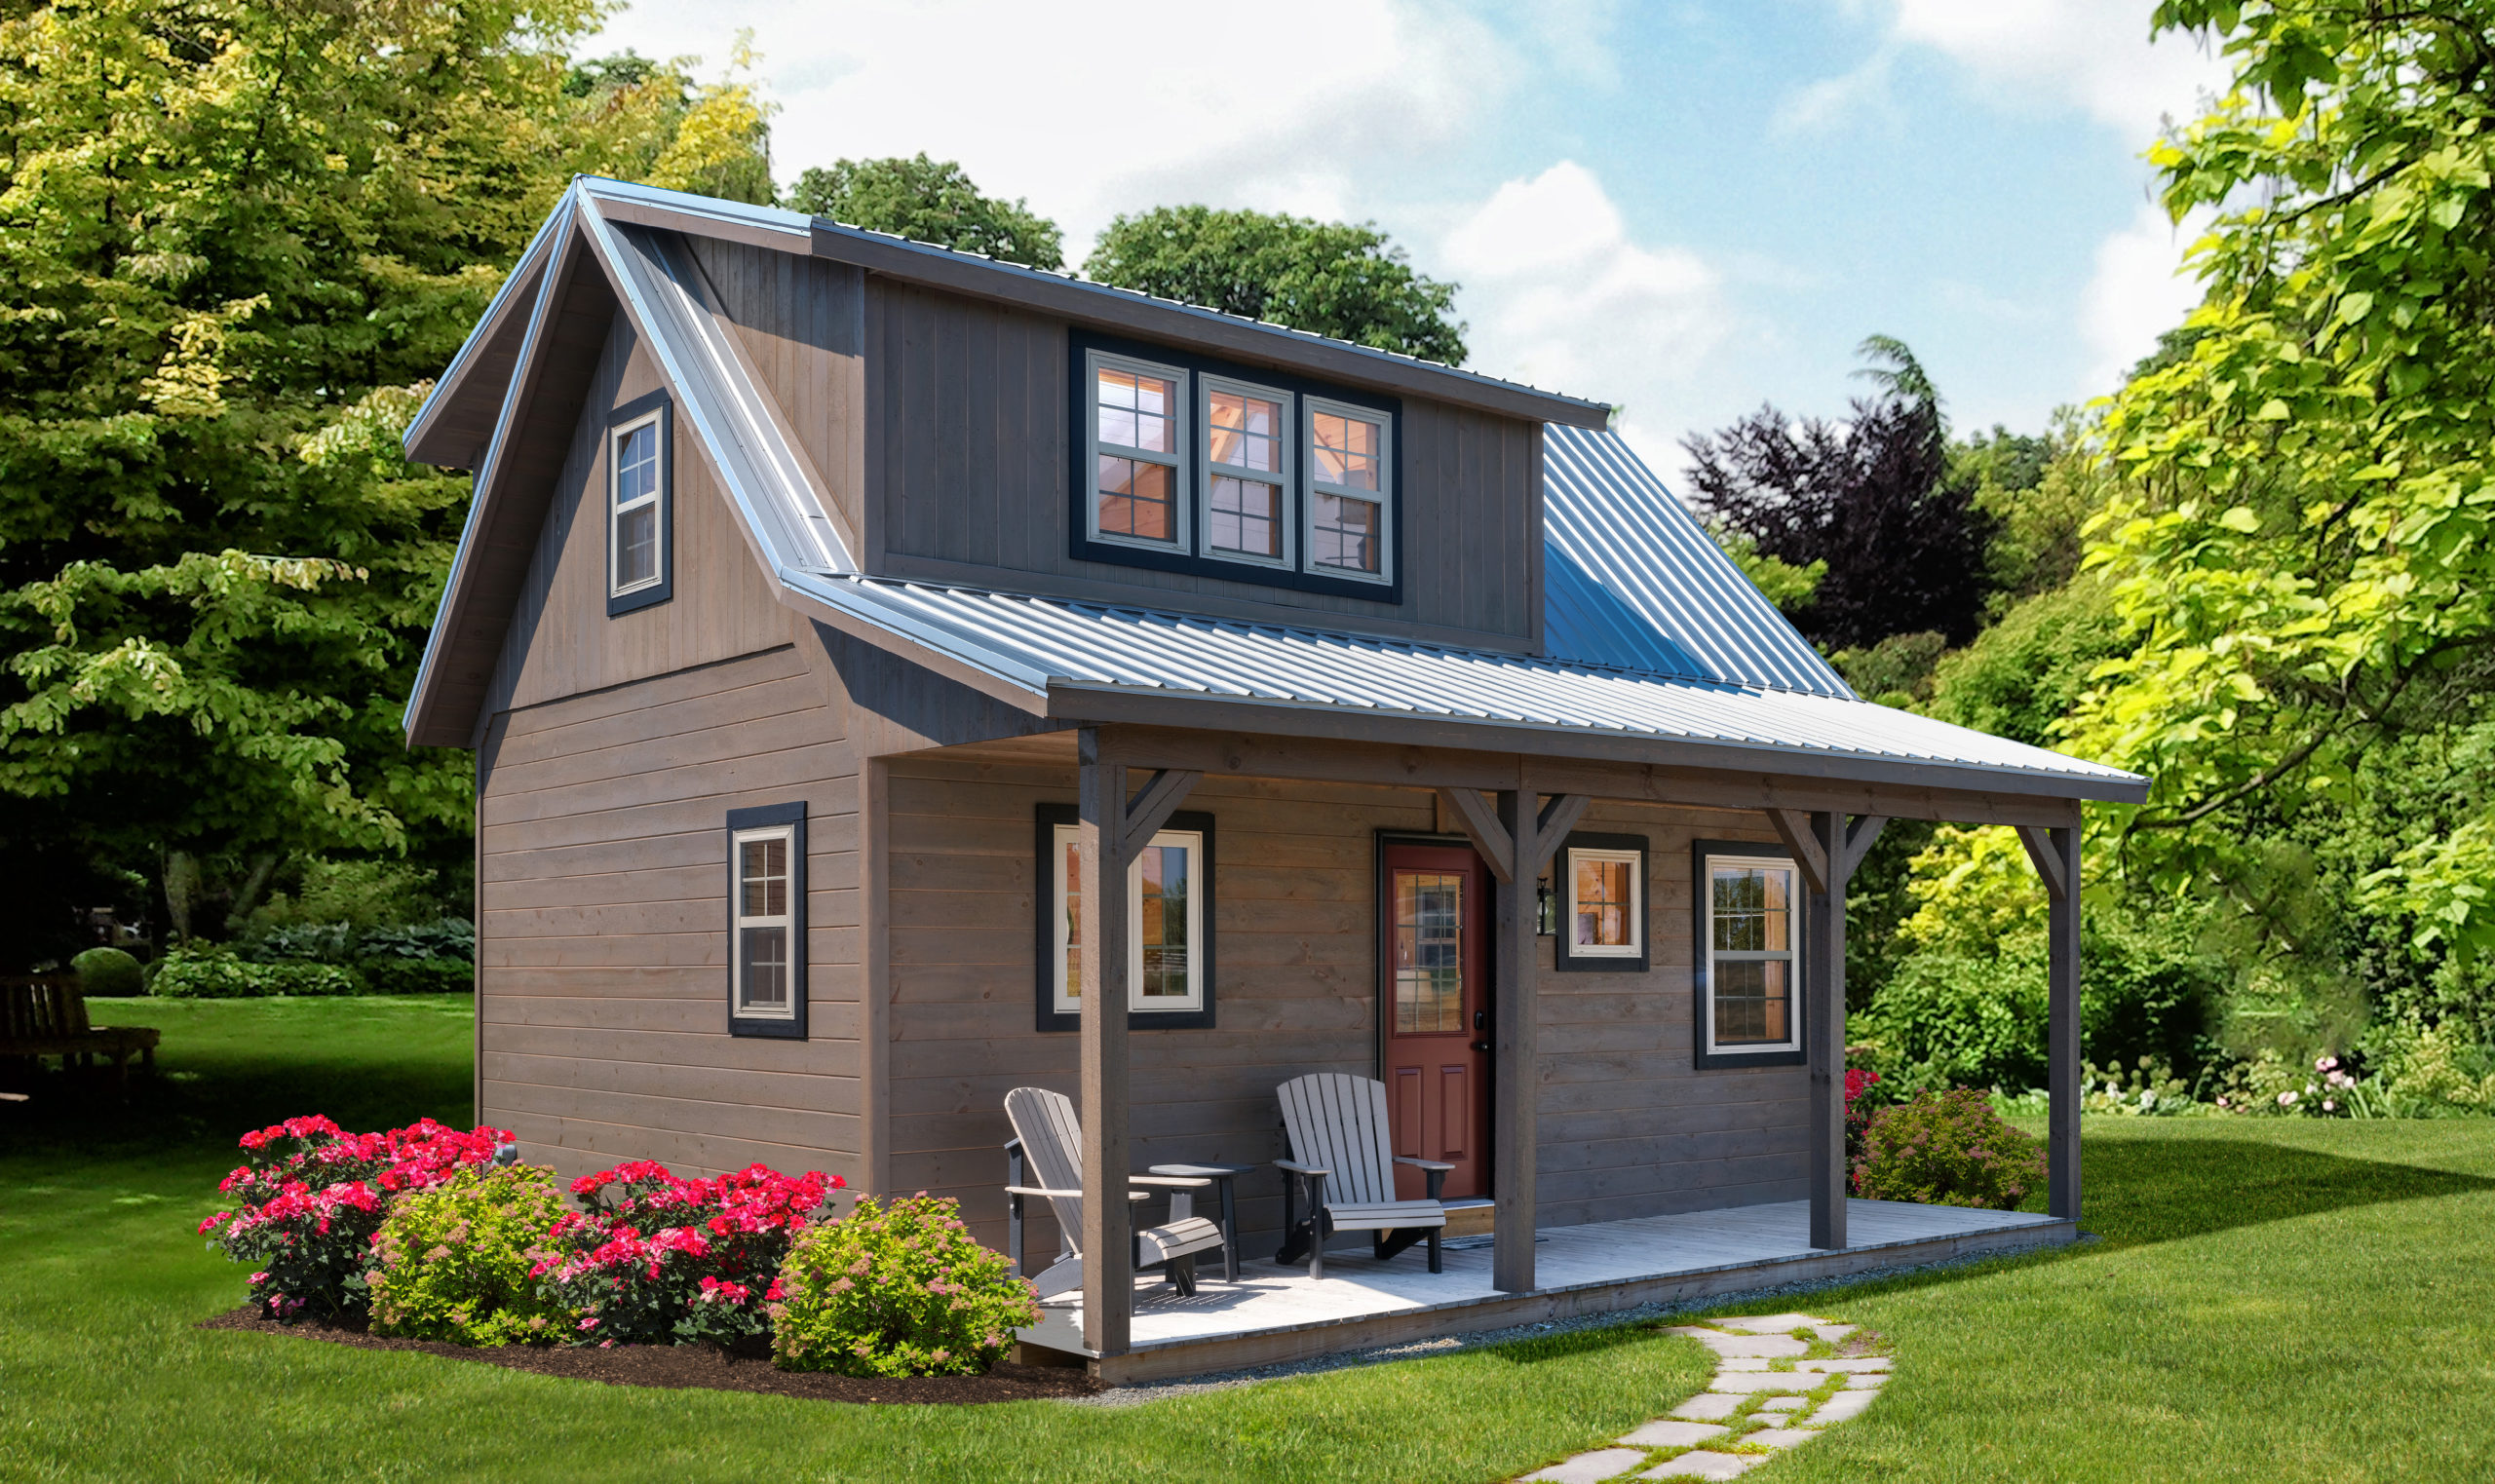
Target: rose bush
{"x":459,"y":1262}
{"x":659,"y":1259}
{"x":899,"y":1290}
{"x":1947,"y":1150}
{"x":309,"y":1196}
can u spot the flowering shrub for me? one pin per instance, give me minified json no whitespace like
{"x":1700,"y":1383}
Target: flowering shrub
{"x":660,"y":1259}
{"x":1857,"y":1114}
{"x":1949,"y":1149}
{"x":309,"y":1196}
{"x":898,"y":1291}
{"x":459,"y":1262}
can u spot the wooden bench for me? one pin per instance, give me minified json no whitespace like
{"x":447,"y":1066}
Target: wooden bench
{"x":45,"y":1015}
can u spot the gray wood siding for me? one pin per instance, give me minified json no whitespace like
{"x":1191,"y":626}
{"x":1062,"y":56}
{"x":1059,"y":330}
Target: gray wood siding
{"x":967,"y":462}
{"x":560,"y":641}
{"x":1627,"y":1126}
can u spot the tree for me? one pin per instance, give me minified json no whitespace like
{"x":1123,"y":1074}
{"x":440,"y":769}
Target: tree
{"x":238,"y":239}
{"x":637,"y":119}
{"x":2304,"y":548}
{"x":1335,"y":278}
{"x":928,"y":201}
{"x":1875,"y":500}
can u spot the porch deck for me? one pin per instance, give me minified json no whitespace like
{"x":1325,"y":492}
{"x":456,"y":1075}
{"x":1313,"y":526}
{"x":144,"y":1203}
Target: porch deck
{"x":1276,"y":1313}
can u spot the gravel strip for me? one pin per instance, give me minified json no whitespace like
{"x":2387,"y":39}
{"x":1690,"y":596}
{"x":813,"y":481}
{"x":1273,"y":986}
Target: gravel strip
{"x":1131,"y":1396}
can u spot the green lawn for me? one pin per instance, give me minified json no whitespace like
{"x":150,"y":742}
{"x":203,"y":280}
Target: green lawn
{"x":2272,"y":1300}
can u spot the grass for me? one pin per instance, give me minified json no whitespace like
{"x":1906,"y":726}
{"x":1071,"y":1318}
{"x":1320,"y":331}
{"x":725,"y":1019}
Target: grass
{"x":2271,"y":1298}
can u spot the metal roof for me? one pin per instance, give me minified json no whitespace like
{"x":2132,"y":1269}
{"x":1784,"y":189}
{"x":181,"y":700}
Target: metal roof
{"x":1048,"y":645}
{"x":1631,"y":580}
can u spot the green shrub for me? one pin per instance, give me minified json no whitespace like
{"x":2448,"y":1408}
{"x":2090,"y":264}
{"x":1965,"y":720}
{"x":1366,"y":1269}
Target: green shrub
{"x":108,"y":972}
{"x":459,"y":1262}
{"x":418,"y":976}
{"x":217,"y":974}
{"x":1948,"y":1150}
{"x":896,"y":1291}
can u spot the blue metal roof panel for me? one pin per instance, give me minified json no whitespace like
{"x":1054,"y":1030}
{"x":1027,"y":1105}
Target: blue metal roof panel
{"x":1631,"y":579}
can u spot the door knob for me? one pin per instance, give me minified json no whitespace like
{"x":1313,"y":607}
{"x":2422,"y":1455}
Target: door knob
{"x":1480,"y":1045}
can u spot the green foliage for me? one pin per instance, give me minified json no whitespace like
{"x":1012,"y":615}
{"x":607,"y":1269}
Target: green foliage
{"x":2038,"y":493}
{"x":1790,"y":588}
{"x":928,"y":201}
{"x":108,"y":972}
{"x":897,"y":1290}
{"x":1950,"y":1148}
{"x":651,"y":121}
{"x":217,"y":974}
{"x":2022,"y":677}
{"x":356,"y":893}
{"x":416,"y":976}
{"x":457,"y":1263}
{"x":1895,"y":672}
{"x":1335,"y":278}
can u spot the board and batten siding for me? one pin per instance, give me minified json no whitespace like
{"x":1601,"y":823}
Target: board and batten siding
{"x":615,"y":748}
{"x":1628,"y":1128}
{"x":967,"y":464}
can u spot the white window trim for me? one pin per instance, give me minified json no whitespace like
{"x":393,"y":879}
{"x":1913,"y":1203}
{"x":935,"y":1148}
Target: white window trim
{"x":1182,"y":508}
{"x":1064,"y":835}
{"x":1383,"y":496}
{"x":740,"y":920}
{"x":615,"y":507}
{"x":1636,"y":944}
{"x":1793,"y":950}
{"x":1206,"y":386}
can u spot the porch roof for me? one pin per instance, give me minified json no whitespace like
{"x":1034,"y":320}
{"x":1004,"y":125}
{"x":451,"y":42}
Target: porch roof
{"x":1049,"y":655}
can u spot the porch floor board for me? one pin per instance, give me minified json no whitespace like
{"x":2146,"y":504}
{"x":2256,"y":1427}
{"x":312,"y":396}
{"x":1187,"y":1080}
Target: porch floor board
{"x":1276,"y":1312}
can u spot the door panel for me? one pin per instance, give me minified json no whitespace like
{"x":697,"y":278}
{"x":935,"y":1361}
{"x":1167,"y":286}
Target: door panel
{"x":1437,"y":1014}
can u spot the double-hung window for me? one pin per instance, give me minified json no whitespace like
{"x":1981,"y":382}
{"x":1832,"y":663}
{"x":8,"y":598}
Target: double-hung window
{"x":1169,"y":923}
{"x":1246,"y":475}
{"x":1749,"y":919}
{"x":1601,"y":909}
{"x":1139,"y":453}
{"x":767,"y":921}
{"x":638,"y":570}
{"x":1349,"y":487}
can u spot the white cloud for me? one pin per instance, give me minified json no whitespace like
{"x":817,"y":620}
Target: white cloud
{"x":1558,"y":294}
{"x":2136,"y":294}
{"x":1306,"y":105}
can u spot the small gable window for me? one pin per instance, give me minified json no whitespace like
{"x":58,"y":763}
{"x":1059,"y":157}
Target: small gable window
{"x":767,"y":921}
{"x":1139,"y":459}
{"x":1247,"y":470}
{"x":1349,"y":488}
{"x":637,"y":507}
{"x":1750,"y":931}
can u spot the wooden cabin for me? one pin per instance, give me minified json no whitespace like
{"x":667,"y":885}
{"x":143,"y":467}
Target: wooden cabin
{"x":835,"y":613}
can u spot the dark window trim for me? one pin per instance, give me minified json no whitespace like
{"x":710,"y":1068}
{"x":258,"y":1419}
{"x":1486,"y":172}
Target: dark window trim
{"x":1565,"y":961}
{"x":1082,"y":547}
{"x":1699,"y":896}
{"x":664,"y":589}
{"x":764,"y":817}
{"x":1046,"y":819}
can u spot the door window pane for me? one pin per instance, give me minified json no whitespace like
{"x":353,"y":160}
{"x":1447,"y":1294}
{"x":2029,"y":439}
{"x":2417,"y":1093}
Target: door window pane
{"x":1429,"y":952}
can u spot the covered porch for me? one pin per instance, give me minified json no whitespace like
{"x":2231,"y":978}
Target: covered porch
{"x":1278,"y":1314}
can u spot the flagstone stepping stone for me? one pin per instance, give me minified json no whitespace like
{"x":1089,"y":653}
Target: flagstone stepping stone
{"x":1742,"y":1394}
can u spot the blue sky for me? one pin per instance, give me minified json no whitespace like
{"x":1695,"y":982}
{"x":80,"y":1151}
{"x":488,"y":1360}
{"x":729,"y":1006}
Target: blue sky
{"x":1687,"y":206}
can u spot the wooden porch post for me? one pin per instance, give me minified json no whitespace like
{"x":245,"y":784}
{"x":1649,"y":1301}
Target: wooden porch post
{"x":1825,"y":850}
{"x":1113,"y":833}
{"x":1516,"y":843}
{"x":2055,"y":854}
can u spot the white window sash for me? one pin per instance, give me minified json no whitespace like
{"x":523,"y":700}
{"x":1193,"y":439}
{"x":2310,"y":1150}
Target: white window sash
{"x":1383,"y":497}
{"x":617,"y":509}
{"x":741,"y":919}
{"x":1064,"y":836}
{"x":1791,"y":955}
{"x":1636,"y":904}
{"x":1182,"y":506}
{"x":1286,"y":443}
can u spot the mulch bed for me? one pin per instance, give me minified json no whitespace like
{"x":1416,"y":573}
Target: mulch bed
{"x":678,"y":1366}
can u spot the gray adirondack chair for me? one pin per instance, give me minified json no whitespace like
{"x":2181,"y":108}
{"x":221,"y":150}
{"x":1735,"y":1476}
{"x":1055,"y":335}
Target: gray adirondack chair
{"x":1048,"y":1136}
{"x":1340,"y":1162}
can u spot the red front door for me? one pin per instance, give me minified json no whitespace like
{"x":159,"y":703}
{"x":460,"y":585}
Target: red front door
{"x":1438,"y":1014}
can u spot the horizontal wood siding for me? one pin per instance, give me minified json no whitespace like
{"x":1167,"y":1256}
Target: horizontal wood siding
{"x":1628,"y":1127}
{"x":560,"y":641}
{"x":967,"y":463}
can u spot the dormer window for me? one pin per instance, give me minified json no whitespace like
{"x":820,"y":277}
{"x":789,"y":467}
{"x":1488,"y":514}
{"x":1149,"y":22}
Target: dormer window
{"x":1348,"y":491}
{"x":638,"y":571}
{"x":1137,"y":455}
{"x":1247,"y":468}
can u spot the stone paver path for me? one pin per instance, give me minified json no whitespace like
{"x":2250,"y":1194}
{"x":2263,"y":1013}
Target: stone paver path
{"x":1769,"y":1393}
